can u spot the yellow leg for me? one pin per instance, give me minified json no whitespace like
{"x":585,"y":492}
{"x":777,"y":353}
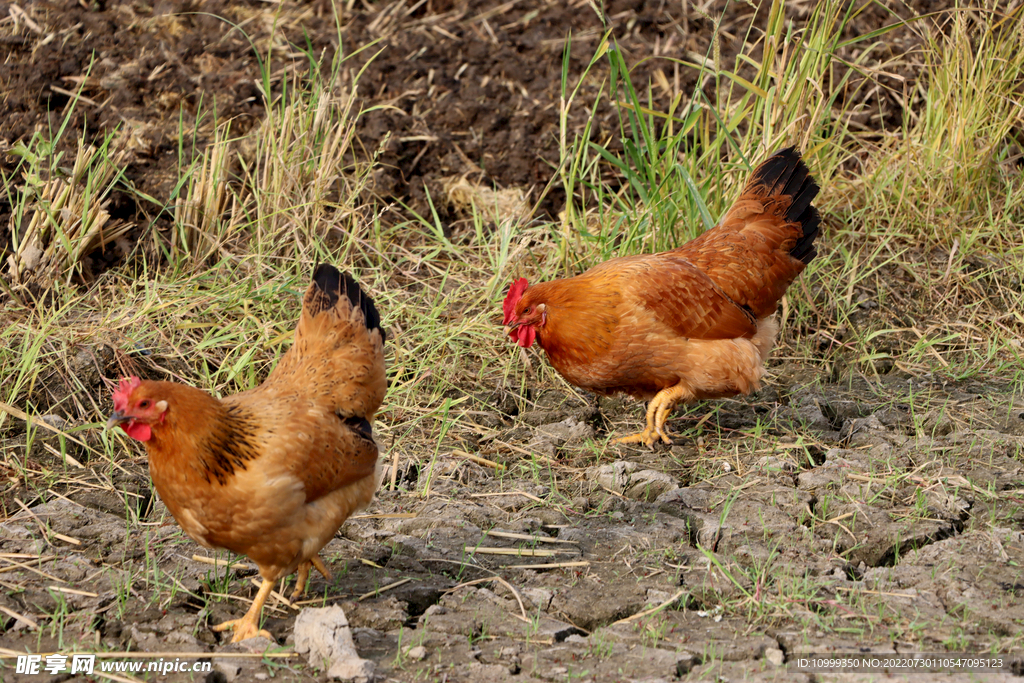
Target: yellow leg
{"x":644,"y":436}
{"x":248,"y":626}
{"x":303,"y":575}
{"x":321,"y":567}
{"x":300,"y":580}
{"x":657,"y":414}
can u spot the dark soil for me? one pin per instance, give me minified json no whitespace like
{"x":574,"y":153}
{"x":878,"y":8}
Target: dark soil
{"x":471,"y":88}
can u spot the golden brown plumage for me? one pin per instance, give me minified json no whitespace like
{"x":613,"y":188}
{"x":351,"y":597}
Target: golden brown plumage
{"x":273,"y":472}
{"x":691,"y":323}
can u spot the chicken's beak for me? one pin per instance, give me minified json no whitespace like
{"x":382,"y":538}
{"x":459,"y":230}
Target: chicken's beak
{"x":511,"y":326}
{"x":116,"y":418}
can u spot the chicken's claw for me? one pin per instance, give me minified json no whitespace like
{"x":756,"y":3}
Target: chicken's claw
{"x":657,"y":414}
{"x":303,"y":575}
{"x":639,"y":437}
{"x":244,"y":629}
{"x":248,"y":626}
{"x":648,"y":437}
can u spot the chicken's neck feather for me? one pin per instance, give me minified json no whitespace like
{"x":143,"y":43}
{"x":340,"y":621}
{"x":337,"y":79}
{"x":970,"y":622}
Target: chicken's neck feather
{"x":204,"y":434}
{"x":582,"y":318}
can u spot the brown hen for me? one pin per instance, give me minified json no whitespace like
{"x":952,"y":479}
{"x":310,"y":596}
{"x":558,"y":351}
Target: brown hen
{"x":692,"y":323}
{"x":273,"y":472}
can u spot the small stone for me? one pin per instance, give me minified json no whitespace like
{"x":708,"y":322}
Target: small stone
{"x":488,"y":419}
{"x":625,"y":477}
{"x":866,"y":302}
{"x":323,"y":634}
{"x":656,"y":597}
{"x":774,"y":656}
{"x":230,"y":669}
{"x":418,"y":653}
{"x":569,"y":430}
{"x":771,"y":463}
{"x":435,"y":609}
{"x":536,"y":418}
{"x":541,"y":597}
{"x":31,"y":256}
{"x":614,"y":476}
{"x":55,"y":421}
{"x":647,"y":485}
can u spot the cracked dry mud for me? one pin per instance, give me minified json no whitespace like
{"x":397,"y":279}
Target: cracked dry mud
{"x":858,"y":525}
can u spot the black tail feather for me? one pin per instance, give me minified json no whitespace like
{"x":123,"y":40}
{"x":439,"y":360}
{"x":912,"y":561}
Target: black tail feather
{"x":775,"y":172}
{"x":784,"y":173}
{"x":332,"y":282}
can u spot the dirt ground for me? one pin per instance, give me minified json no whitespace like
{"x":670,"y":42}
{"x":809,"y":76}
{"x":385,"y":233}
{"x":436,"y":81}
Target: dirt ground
{"x":858,"y":540}
{"x":831,"y":513}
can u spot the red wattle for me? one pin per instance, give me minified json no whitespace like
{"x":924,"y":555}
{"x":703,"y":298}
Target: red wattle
{"x":526,"y":336}
{"x":140,"y":431}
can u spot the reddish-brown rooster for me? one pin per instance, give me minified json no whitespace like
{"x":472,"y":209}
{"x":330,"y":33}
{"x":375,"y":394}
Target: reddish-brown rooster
{"x":273,"y":472}
{"x":692,"y":323}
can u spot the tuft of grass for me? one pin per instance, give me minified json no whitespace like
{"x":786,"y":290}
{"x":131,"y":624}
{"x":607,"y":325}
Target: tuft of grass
{"x":62,"y":213}
{"x":952,"y":177}
{"x":208,"y":212}
{"x":289,"y":191}
{"x":677,"y":171}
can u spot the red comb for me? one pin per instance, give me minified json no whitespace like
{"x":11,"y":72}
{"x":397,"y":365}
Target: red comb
{"x":515,"y":293}
{"x":124,"y":390}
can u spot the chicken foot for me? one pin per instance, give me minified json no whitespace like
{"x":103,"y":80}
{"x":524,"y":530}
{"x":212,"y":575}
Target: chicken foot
{"x":248,"y":626}
{"x":657,"y":414}
{"x":303,"y":574}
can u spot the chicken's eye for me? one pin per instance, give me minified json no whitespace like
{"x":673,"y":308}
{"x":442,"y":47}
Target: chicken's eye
{"x":528,"y":309}
{"x":144,"y":403}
